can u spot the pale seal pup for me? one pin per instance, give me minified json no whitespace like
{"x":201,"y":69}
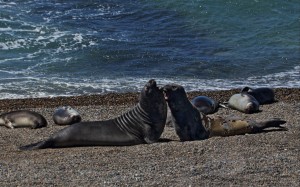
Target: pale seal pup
{"x":22,"y":118}
{"x":142,"y":124}
{"x":243,"y":102}
{"x":263,"y":95}
{"x":190,"y":124}
{"x":205,"y":104}
{"x":66,"y":115}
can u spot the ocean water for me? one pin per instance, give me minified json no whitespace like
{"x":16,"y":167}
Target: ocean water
{"x":75,"y":47}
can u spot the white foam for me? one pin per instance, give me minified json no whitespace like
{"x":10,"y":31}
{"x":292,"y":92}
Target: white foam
{"x":6,"y":29}
{"x":78,"y":38}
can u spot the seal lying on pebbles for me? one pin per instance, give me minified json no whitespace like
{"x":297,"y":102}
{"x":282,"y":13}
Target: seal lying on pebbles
{"x":190,"y":124}
{"x":22,"y":118}
{"x":66,"y":115}
{"x":230,"y":126}
{"x":205,"y":104}
{"x":262,"y":95}
{"x":243,"y":102}
{"x":142,"y":124}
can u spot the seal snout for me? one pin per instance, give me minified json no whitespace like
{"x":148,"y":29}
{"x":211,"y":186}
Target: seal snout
{"x":167,"y":91}
{"x":251,"y":108}
{"x":151,"y":84}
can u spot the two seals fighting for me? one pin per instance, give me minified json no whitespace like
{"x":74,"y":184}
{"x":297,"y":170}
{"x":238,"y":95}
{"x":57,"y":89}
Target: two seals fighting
{"x":193,"y":125}
{"x":142,"y":124}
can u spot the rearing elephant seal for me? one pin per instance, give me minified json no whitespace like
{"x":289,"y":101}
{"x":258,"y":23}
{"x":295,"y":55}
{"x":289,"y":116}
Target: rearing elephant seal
{"x":262,"y":95}
{"x":185,"y":117}
{"x":192,"y":125}
{"x":142,"y":124}
{"x":243,"y":102}
{"x":66,"y":115}
{"x":22,"y":118}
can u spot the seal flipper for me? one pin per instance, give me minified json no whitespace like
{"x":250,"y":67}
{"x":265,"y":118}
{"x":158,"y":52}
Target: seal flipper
{"x":9,"y":124}
{"x":260,"y":126}
{"x":39,"y":145}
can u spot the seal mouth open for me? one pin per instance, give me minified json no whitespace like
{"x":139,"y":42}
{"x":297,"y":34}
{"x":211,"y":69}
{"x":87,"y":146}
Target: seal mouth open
{"x":167,"y":89}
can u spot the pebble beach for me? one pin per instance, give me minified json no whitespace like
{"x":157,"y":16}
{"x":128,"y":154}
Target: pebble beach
{"x":265,"y":159}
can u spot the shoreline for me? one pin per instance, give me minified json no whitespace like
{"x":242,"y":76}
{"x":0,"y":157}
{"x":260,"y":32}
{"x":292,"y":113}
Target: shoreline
{"x":281,"y":94}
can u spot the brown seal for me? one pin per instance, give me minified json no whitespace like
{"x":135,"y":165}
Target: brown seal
{"x":142,"y":124}
{"x":230,"y":126}
{"x":190,"y":124}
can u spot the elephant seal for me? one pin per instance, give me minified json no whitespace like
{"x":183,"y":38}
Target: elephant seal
{"x":262,"y":95}
{"x":230,"y":126}
{"x":205,"y":104}
{"x":243,"y":102}
{"x":22,"y":118}
{"x":142,"y":124}
{"x":190,"y":124}
{"x":66,"y":115}
{"x":185,"y":117}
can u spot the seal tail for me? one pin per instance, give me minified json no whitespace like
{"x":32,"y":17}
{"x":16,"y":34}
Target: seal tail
{"x":275,"y":122}
{"x":39,"y":145}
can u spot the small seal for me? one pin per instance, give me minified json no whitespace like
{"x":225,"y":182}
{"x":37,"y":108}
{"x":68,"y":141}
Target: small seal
{"x":190,"y":124}
{"x":22,"y":118}
{"x":263,"y":95}
{"x":205,"y":104}
{"x":243,"y":102}
{"x":142,"y":124}
{"x":66,"y":115}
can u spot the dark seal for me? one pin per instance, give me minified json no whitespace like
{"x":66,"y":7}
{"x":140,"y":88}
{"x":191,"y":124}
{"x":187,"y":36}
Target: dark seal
{"x":142,"y":124}
{"x":205,"y":104}
{"x":22,"y":118}
{"x":185,"y":117}
{"x":66,"y":115}
{"x":190,"y":124}
{"x":263,"y":95}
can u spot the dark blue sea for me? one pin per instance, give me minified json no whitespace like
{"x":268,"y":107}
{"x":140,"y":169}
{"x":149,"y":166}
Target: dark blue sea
{"x":75,"y":47}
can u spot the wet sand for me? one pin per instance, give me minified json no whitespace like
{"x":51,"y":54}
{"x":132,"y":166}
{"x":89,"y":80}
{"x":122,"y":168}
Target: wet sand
{"x":264,"y":159}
